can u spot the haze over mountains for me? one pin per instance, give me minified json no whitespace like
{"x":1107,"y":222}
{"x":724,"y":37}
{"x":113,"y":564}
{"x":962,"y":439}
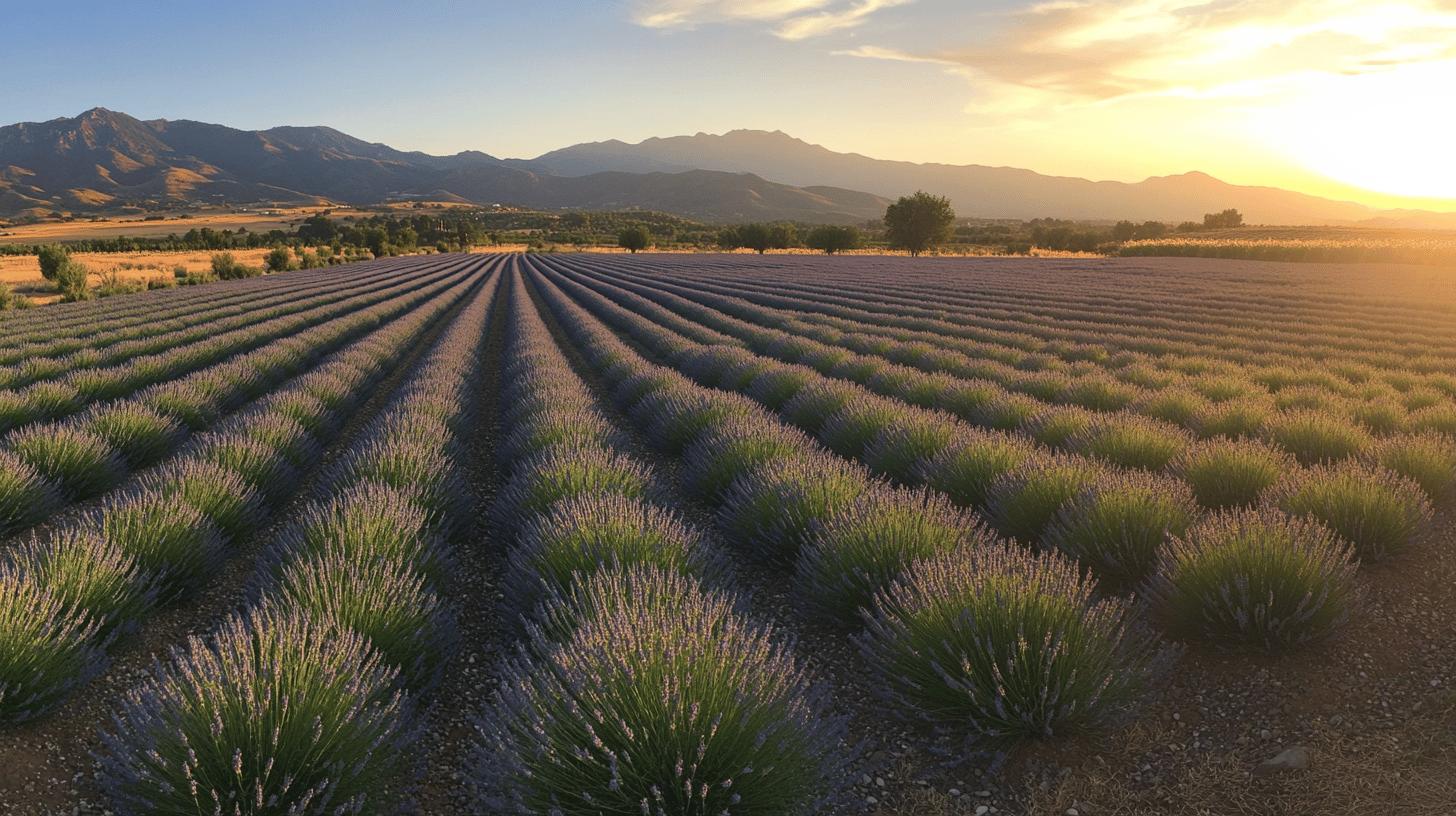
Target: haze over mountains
{"x":103,"y":160}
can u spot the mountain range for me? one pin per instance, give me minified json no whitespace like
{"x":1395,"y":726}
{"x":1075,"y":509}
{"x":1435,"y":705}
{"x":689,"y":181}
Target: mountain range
{"x":103,"y":160}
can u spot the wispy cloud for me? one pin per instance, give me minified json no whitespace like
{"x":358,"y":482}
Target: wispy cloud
{"x":1097,"y":51}
{"x":791,"y":19}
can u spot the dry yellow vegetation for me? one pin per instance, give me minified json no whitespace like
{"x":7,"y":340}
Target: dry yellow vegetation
{"x":22,"y":272}
{"x":135,"y":226}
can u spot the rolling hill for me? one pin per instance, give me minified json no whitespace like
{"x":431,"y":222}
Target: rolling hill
{"x":974,"y":190}
{"x":104,"y":160}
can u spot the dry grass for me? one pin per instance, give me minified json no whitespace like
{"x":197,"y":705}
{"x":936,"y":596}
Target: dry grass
{"x":22,"y":272}
{"x":136,"y":227}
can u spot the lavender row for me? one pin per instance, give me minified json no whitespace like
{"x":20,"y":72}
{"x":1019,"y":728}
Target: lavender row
{"x":642,"y":684}
{"x":1023,"y":488}
{"x":111,"y":339}
{"x":349,"y":625}
{"x":1301,"y":417}
{"x":49,"y":400}
{"x":1130,"y":529}
{"x":66,"y":597}
{"x":860,"y":547}
{"x":1034,"y":304}
{"x":47,"y":466}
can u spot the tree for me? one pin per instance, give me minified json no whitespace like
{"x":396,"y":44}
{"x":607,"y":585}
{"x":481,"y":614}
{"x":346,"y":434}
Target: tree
{"x":1228,"y":219}
{"x":227,"y":267}
{"x":919,"y":222}
{"x":279,"y":259}
{"x":634,"y":238}
{"x":830,"y":239}
{"x":70,"y":280}
{"x":729,"y":239}
{"x":1123,"y":231}
{"x":52,"y":257}
{"x":756,"y":237}
{"x":783,"y":236}
{"x":1151,"y":229}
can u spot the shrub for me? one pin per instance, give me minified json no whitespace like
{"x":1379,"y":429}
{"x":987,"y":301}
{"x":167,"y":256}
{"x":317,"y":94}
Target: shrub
{"x":562,"y":473}
{"x":775,"y":507}
{"x":88,"y":575}
{"x":185,"y":402}
{"x":899,"y":449}
{"x":1380,"y":416}
{"x":674,"y":418}
{"x":52,"y":257}
{"x":1231,"y":472}
{"x":1117,"y":527}
{"x":385,"y":600}
{"x":219,"y":494}
{"x":816,"y":403}
{"x":368,"y":522}
{"x":1314,"y":436}
{"x":140,"y":434}
{"x":582,"y":535}
{"x":227,"y":267}
{"x":1438,"y":418}
{"x":997,"y":644}
{"x":1178,"y":405}
{"x":77,"y":461}
{"x":172,"y":541}
{"x":284,"y":436}
{"x":860,"y":550}
{"x":734,"y":448}
{"x":1053,"y":427}
{"x":692,"y":710}
{"x":852,"y":427}
{"x":71,"y":279}
{"x":1007,"y":412}
{"x":1022,"y":502}
{"x":337,"y":732}
{"x":1100,"y":393}
{"x":1232,"y":419}
{"x":1256,"y":578}
{"x":776,"y":386}
{"x":262,"y":467}
{"x":648,"y":590}
{"x":1427,"y":458}
{"x":967,"y":467}
{"x":556,"y":427}
{"x":1370,"y":507}
{"x":25,"y":496}
{"x":1132,"y":441}
{"x":278,"y":259}
{"x":50,"y":648}
{"x":308,"y":411}
{"x":50,"y":400}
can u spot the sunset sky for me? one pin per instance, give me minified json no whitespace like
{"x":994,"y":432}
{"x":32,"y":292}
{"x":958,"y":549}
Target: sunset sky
{"x":1338,"y":97}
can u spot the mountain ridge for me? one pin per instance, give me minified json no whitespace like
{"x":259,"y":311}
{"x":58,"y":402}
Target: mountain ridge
{"x":102,"y":160}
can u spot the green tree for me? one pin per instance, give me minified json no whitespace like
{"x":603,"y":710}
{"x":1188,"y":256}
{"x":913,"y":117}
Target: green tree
{"x":757,"y":237}
{"x":729,"y":239}
{"x":634,"y":238}
{"x":783,"y":236}
{"x":52,"y":257}
{"x":1123,"y":231}
{"x":831,"y":239}
{"x":919,"y":222}
{"x":1151,"y":229}
{"x":1227,"y":219}
{"x":70,"y":281}
{"x":279,"y":259}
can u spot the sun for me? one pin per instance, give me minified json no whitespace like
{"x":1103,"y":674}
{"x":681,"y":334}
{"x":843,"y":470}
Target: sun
{"x":1388,"y":132}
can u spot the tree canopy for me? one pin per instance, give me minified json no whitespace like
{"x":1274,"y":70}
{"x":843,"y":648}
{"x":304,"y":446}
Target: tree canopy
{"x":634,"y":238}
{"x":830,"y":239}
{"x":919,"y":222}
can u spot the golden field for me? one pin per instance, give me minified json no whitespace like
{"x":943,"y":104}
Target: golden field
{"x":22,"y":272}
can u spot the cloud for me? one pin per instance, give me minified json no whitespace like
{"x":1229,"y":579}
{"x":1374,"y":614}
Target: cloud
{"x":1069,"y":52}
{"x":814,"y":25}
{"x":794,"y":19}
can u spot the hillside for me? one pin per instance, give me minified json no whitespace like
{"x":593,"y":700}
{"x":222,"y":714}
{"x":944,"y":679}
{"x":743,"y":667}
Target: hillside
{"x":103,"y":160}
{"x":975,"y":190}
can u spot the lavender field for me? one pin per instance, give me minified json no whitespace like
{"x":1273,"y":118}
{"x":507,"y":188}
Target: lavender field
{"x":733,"y":534}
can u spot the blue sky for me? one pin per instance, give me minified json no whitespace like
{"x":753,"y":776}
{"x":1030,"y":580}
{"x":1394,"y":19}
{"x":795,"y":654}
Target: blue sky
{"x":1300,"y":93}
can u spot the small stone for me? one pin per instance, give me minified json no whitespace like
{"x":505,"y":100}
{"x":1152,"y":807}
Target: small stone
{"x":1073,"y":812}
{"x":870,"y":800}
{"x":1265,"y":734}
{"x":982,"y":810}
{"x":1295,"y":758}
{"x":955,"y":791}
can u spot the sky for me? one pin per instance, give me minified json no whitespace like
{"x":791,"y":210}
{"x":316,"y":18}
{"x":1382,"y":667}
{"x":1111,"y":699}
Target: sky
{"x":1343,"y":98}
